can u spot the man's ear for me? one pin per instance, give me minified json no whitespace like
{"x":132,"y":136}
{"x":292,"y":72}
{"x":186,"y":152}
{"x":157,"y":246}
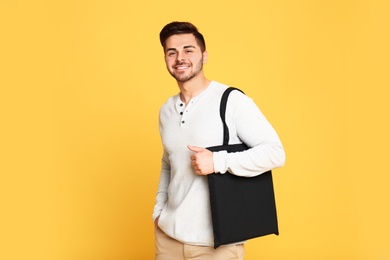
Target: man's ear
{"x":205,"y":57}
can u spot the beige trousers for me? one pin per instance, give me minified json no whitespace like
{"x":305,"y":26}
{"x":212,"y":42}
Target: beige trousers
{"x":168,"y":248}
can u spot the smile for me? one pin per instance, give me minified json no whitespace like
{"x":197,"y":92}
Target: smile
{"x":181,"y":67}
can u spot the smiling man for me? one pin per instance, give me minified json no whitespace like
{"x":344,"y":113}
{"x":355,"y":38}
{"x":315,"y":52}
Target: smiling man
{"x":190,"y":121}
{"x":184,"y":62}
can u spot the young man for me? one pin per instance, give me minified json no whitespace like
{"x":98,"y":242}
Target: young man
{"x":189,"y":122}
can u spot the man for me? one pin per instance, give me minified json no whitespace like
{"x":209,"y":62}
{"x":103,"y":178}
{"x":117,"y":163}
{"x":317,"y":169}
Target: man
{"x":189,"y":122}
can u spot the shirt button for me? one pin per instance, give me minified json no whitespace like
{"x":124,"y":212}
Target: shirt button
{"x":181,"y":104}
{"x":181,"y":113}
{"x":182,"y":122}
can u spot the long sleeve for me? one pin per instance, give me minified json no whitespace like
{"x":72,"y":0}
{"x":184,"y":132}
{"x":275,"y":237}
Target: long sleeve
{"x":247,"y":124}
{"x":162,"y":190}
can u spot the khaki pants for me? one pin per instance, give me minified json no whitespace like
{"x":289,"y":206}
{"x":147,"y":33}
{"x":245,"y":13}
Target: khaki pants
{"x":168,"y":248}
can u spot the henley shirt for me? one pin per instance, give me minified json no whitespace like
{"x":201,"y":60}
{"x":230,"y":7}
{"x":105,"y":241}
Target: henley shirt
{"x":182,"y":200}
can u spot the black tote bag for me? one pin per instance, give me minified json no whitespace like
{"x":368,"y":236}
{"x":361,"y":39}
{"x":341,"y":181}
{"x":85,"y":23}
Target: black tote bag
{"x":241,"y":207}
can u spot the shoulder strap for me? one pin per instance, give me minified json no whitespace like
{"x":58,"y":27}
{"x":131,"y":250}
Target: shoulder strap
{"x":222,"y":111}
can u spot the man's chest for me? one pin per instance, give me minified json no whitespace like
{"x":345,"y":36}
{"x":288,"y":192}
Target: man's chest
{"x":200,"y":127}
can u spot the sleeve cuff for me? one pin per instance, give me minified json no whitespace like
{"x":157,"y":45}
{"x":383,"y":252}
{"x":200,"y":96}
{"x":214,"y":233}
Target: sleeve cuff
{"x":155,"y":215}
{"x":220,"y":163}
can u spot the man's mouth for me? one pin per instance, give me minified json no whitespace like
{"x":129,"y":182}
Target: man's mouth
{"x":181,"y":67}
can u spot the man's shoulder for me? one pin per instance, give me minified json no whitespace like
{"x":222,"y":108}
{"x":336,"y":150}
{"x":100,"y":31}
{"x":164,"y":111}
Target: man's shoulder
{"x":169,"y":104}
{"x":218,"y":86}
{"x":170,"y":100}
{"x":216,"y":89}
{"x":234,"y":95}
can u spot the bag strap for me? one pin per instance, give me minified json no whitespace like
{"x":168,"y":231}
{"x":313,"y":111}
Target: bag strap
{"x":222,"y":111}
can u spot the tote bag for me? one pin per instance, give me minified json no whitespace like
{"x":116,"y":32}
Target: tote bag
{"x":241,"y":207}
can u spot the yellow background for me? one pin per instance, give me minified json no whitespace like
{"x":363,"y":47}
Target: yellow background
{"x":81,"y":86}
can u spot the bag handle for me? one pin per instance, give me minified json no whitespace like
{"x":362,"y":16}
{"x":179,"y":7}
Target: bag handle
{"x":222,"y":111}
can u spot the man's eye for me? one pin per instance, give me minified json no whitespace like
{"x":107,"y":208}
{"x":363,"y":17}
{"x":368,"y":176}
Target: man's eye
{"x":171,"y":53}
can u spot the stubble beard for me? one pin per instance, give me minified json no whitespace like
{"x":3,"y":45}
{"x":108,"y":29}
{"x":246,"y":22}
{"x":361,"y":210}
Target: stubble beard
{"x":183,"y":77}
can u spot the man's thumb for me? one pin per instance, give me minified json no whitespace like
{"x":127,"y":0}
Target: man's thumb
{"x":195,"y":149}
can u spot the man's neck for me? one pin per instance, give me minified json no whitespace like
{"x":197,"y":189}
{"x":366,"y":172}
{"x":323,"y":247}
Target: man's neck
{"x":192,"y":88}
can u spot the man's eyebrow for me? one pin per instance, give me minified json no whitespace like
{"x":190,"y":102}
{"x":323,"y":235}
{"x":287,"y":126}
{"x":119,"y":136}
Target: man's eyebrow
{"x":185,"y":47}
{"x":170,"y":49}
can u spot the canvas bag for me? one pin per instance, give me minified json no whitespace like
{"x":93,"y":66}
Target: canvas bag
{"x":241,"y":207}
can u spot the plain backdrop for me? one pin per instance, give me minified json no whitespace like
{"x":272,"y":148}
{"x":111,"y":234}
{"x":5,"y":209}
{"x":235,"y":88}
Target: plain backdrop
{"x":81,"y":86}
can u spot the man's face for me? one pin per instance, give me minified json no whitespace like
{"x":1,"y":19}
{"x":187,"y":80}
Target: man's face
{"x":183,"y":57}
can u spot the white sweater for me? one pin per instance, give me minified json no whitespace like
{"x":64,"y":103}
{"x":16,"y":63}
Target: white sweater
{"x":182,"y":200}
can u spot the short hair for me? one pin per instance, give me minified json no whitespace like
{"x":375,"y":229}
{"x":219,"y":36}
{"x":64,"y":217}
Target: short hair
{"x":175,"y":28}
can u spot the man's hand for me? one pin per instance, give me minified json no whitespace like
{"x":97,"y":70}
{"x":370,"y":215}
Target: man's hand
{"x":202,"y":160}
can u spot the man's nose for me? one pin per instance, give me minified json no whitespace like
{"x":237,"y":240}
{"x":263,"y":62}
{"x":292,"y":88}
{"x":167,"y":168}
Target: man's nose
{"x":180,"y":57}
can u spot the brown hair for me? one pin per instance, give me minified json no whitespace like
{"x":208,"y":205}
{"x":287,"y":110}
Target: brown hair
{"x":175,"y":28}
